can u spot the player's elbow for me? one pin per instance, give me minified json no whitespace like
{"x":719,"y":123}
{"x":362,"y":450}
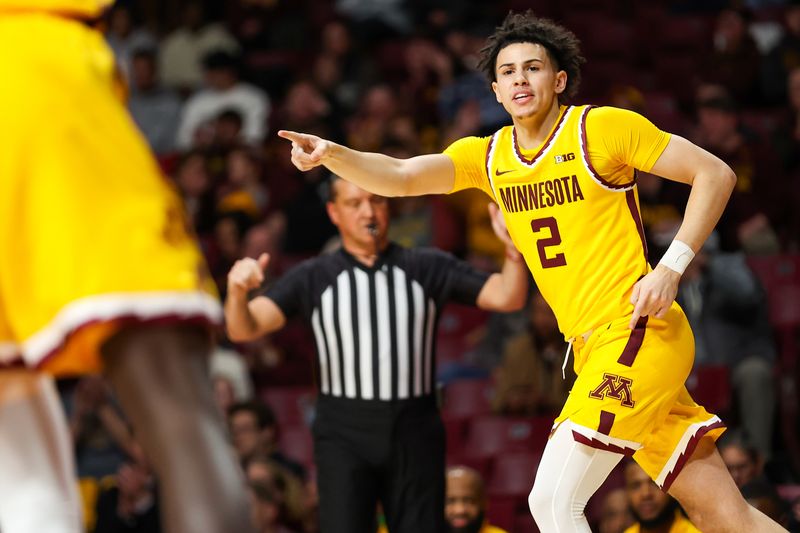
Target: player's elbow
{"x":728,"y":175}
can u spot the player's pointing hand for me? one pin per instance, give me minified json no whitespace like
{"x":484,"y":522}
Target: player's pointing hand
{"x":308,"y":151}
{"x":247,"y":274}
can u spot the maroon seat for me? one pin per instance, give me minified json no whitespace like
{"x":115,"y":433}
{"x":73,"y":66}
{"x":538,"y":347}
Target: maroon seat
{"x":489,"y":436}
{"x":296,"y":442}
{"x":775,"y":270}
{"x":513,"y":475}
{"x":467,"y":398}
{"x":291,"y":405}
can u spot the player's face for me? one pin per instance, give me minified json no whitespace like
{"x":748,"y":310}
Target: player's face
{"x":362,"y":217}
{"x":528,"y":83}
{"x":462,"y":507}
{"x":646,"y":499}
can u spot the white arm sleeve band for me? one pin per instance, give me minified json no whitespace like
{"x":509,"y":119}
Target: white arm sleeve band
{"x":677,"y":257}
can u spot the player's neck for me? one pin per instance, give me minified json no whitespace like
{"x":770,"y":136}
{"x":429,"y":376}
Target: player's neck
{"x":532,"y":131}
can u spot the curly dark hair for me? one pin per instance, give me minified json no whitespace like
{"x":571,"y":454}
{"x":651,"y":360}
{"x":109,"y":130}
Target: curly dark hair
{"x":561,"y":44}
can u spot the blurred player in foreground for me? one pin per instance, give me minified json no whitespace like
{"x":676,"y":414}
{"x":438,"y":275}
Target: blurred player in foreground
{"x":97,"y":272}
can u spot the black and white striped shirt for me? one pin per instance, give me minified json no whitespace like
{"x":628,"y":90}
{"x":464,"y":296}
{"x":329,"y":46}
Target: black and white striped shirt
{"x":375,"y":327}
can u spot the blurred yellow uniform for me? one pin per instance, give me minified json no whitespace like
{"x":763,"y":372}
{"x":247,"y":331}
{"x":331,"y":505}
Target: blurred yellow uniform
{"x":91,"y":234}
{"x":572,"y":209}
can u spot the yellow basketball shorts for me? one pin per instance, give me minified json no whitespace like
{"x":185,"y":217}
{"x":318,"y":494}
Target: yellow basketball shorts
{"x":92,"y":236}
{"x":630,"y":397}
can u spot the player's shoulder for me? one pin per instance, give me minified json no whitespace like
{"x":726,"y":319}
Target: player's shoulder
{"x":468,"y":144}
{"x":607,"y":114}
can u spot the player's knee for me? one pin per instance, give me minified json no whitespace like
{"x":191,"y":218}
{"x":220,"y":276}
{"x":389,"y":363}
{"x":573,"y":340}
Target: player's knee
{"x":543,"y":503}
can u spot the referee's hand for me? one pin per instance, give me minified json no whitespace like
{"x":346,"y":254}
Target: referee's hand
{"x":247,"y":274}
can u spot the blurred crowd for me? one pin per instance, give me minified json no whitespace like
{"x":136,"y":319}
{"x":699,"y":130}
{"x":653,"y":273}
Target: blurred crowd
{"x":209,"y":84}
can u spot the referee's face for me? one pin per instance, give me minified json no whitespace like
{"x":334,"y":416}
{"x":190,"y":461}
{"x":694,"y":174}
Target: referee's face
{"x":362,"y":217}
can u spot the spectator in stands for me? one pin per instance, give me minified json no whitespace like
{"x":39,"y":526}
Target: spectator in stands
{"x":727,"y":309}
{"x":230,"y":377}
{"x":255,"y":431}
{"x":228,"y":130}
{"x":266,"y":509}
{"x":155,"y":109}
{"x":786,"y":137}
{"x":615,"y":515}
{"x":130,"y":505}
{"x":124,"y":38}
{"x":101,"y":436}
{"x":183,"y":49}
{"x":655,"y":511}
{"x":743,"y":461}
{"x":288,"y":488}
{"x":784,"y":58}
{"x":243,"y":189}
{"x":735,"y":61}
{"x":195,"y":184}
{"x":465,"y":502}
{"x":747,"y":220}
{"x":224,"y":90}
{"x":529,"y":379}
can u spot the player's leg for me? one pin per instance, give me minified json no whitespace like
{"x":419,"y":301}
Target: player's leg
{"x":568,"y":475}
{"x":160,"y":374}
{"x":38,"y":490}
{"x":727,"y":511}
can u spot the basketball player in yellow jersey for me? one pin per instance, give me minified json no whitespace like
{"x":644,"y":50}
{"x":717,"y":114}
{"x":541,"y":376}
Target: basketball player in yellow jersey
{"x":564,"y":177}
{"x":97,"y":273}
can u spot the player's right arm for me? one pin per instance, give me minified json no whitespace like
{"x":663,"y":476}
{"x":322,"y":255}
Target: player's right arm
{"x":377,"y":173}
{"x":247,"y":319}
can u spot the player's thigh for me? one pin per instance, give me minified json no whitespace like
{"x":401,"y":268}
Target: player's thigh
{"x":705,"y":473}
{"x":628,"y":381}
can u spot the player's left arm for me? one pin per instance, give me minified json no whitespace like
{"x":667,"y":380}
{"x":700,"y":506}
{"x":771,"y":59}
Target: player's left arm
{"x":712,"y":182}
{"x":507,"y":290}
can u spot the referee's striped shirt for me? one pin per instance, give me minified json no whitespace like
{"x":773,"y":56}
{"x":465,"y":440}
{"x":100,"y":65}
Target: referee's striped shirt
{"x":375,"y":327}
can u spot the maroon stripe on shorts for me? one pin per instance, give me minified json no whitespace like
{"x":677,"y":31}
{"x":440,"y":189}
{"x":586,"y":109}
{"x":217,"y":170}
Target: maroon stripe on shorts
{"x":594,"y":443}
{"x":606,"y":421}
{"x":687,"y":453}
{"x":634,"y":343}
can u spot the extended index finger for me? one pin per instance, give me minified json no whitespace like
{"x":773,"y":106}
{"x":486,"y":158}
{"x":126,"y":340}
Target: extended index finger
{"x":291,"y":135}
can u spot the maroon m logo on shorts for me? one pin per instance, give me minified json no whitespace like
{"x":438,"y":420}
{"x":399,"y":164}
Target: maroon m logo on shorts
{"x":616,"y":387}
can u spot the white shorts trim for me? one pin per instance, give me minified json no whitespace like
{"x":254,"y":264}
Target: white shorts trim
{"x":683,"y":444}
{"x":181,"y":305}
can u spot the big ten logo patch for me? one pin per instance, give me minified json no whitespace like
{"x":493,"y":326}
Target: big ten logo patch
{"x":616,"y":387}
{"x":564,"y":157}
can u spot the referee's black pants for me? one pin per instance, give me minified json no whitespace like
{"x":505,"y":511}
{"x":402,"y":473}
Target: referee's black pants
{"x":370,"y":451}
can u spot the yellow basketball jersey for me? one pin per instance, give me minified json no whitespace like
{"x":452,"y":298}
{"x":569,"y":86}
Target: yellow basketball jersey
{"x":67,"y":7}
{"x":577,"y":226}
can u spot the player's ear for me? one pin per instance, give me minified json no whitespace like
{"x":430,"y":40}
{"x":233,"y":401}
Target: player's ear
{"x":561,"y":82}
{"x":496,"y":93}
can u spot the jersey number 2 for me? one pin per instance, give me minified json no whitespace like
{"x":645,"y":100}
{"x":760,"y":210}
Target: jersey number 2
{"x":537,"y":225}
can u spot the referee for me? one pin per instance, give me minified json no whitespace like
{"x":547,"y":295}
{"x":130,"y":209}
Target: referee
{"x":373,"y":307}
